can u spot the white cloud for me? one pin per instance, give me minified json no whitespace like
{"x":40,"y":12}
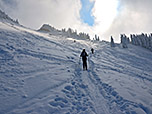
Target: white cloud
{"x":104,"y":12}
{"x":60,"y":13}
{"x":111,"y":18}
{"x":134,"y":17}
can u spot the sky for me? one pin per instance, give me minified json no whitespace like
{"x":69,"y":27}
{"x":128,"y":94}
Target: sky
{"x":86,"y":12}
{"x":105,"y":18}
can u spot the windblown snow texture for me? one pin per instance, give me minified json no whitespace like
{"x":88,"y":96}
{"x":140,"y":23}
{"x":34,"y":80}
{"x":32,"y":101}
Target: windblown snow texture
{"x":42,"y":73}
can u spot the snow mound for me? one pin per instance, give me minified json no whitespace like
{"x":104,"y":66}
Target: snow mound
{"x":47,"y":28}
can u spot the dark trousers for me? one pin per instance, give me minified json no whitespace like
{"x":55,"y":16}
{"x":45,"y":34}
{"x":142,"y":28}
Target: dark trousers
{"x":84,"y":64}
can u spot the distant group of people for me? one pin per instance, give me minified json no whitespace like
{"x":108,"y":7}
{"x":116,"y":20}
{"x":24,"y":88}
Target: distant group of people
{"x":84,"y":57}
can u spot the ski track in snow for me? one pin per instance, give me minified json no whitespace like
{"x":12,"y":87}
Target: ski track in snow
{"x":80,"y":88}
{"x":113,"y":98}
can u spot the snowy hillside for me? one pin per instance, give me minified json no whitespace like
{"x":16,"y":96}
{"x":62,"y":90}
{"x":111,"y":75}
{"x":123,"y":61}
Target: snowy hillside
{"x":42,"y":74}
{"x":46,"y":28}
{"x":5,"y":18}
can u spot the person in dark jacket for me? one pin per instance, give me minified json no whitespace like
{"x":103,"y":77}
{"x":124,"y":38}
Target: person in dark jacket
{"x":92,"y":50}
{"x":84,"y":59}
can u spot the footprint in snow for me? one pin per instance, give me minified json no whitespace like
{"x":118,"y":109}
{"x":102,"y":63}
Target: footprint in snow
{"x":59,"y":101}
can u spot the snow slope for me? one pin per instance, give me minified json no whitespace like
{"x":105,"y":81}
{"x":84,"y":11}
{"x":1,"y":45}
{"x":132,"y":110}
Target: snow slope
{"x":42,"y":74}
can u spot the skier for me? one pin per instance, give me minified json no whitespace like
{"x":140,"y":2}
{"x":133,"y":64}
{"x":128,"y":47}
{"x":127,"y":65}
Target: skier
{"x":84,"y":59}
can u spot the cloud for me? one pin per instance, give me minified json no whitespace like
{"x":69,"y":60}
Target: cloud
{"x":134,"y":16}
{"x":104,"y":12}
{"x":8,"y":3}
{"x":58,"y":13}
{"x":111,"y":18}
{"x":33,"y":13}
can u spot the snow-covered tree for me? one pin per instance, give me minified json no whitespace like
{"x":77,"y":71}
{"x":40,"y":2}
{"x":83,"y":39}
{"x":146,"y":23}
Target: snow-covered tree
{"x":142,"y":40}
{"x":96,"y":38}
{"x":124,"y":40}
{"x":63,"y":30}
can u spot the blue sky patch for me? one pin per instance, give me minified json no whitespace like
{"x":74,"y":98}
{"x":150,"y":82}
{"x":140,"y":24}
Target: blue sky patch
{"x":85,"y":12}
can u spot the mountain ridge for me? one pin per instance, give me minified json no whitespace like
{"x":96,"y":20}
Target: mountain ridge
{"x":5,"y":18}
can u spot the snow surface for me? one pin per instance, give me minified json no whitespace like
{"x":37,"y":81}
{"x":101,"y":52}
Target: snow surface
{"x":42,"y":74}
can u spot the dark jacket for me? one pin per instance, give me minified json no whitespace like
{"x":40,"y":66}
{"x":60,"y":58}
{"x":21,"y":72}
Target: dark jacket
{"x":84,"y":55}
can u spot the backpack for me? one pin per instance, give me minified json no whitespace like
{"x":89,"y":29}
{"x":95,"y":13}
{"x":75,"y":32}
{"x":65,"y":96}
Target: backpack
{"x":83,"y":54}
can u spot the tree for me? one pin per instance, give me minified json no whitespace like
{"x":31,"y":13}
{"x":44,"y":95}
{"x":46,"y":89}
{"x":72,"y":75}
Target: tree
{"x":112,"y":42}
{"x":124,"y":41}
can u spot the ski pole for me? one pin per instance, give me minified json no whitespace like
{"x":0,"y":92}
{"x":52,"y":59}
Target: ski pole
{"x":79,"y":60}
